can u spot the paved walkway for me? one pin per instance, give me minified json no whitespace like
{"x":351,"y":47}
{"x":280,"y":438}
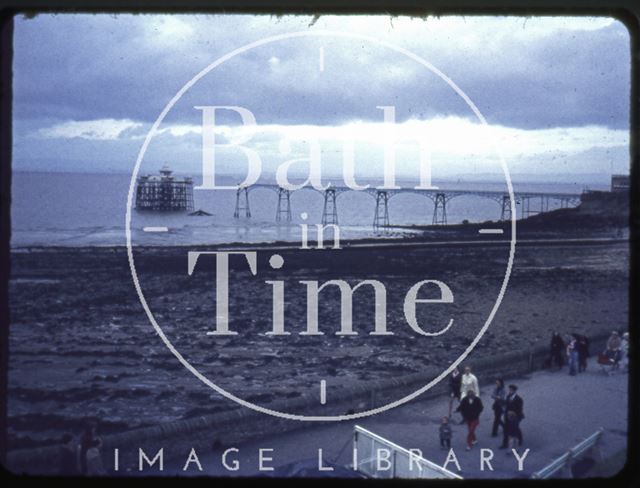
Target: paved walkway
{"x":560,"y":411}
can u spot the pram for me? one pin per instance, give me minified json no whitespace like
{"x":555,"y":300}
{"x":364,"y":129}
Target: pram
{"x":609,"y":360}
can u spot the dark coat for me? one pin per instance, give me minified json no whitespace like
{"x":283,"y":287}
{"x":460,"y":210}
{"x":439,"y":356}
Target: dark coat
{"x":470,"y":408}
{"x":582,"y":345}
{"x":455,"y":383}
{"x":514,"y":404}
{"x":445,"y":431}
{"x":498,"y":399}
{"x":557,"y":344}
{"x":511,"y":427}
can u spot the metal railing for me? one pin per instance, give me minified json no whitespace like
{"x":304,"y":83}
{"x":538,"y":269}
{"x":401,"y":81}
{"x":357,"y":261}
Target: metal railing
{"x":562,"y":465}
{"x":378,"y":457}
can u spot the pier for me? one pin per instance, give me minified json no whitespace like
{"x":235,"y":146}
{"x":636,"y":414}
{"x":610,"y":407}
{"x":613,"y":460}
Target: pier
{"x":164,"y":192}
{"x":531,"y":203}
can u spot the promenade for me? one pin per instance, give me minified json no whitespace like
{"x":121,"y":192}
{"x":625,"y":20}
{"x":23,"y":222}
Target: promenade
{"x":560,"y":411}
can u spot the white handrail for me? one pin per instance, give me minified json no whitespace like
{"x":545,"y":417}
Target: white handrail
{"x":414,"y":458}
{"x":564,"y":461}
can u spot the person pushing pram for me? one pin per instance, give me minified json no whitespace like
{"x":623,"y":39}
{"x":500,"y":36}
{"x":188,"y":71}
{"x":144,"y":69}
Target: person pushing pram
{"x":613,"y":354}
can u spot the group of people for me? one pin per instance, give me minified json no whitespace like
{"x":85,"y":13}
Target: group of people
{"x":82,"y":457}
{"x":575,"y":351}
{"x":508,"y":410}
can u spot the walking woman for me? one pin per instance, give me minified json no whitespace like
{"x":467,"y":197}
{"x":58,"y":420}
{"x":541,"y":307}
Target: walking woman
{"x":613,"y":350}
{"x":498,"y":397}
{"x":572,"y":355}
{"x":455,"y":382}
{"x":624,"y":348}
{"x":469,"y":383}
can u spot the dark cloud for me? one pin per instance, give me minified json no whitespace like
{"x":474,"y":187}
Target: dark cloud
{"x":572,"y":79}
{"x":90,"y":67}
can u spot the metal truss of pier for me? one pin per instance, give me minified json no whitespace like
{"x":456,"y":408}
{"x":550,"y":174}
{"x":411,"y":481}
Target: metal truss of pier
{"x":284,"y":205}
{"x":381,"y":218}
{"x":530,"y":203}
{"x":242,"y":203}
{"x":164,"y":192}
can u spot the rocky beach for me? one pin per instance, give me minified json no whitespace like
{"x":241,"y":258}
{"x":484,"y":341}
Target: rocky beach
{"x":83,"y":349}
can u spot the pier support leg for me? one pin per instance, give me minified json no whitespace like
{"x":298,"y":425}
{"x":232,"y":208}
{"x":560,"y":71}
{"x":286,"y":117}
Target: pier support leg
{"x":527,"y":210}
{"x":189,"y":197}
{"x":242,"y":203}
{"x":505,"y":213}
{"x":330,"y":210}
{"x":440,"y":210}
{"x":381,"y":218}
{"x":284,"y":205}
{"x":526,"y":207}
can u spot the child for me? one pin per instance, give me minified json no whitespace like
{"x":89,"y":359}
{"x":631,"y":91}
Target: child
{"x":445,"y":434}
{"x":511,"y":429}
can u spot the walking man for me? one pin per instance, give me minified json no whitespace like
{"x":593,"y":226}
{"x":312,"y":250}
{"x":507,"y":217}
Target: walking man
{"x":470,"y":408}
{"x":582,"y":345}
{"x":556,"y":351}
{"x":513,"y":403}
{"x":498,"y":396}
{"x":572,"y":356}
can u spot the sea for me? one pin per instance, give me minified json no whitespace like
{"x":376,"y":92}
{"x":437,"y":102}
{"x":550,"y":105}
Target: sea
{"x":86,"y":209}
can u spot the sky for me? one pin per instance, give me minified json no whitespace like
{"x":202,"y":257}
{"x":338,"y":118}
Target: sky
{"x":554,"y":92}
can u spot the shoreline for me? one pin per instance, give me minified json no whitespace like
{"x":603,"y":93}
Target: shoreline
{"x":345,"y":245}
{"x":561,"y":226}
